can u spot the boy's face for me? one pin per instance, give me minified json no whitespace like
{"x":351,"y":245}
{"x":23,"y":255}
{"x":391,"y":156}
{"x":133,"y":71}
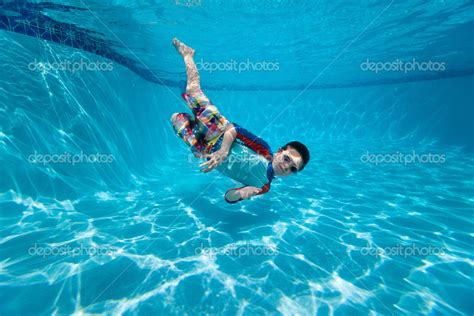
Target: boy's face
{"x":286,"y":162}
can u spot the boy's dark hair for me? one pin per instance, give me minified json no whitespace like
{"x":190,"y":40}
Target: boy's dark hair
{"x":301,"y":149}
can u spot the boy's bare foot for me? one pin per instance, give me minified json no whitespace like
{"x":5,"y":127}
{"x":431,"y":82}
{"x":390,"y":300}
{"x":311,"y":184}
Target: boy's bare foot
{"x":182,"y":48}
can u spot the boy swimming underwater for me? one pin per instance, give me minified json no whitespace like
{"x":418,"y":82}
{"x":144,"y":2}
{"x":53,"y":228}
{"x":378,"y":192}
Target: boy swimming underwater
{"x":229,"y":148}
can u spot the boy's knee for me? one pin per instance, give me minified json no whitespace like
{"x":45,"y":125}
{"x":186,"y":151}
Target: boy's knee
{"x":175,"y":120}
{"x":173,"y":117}
{"x":180,"y":120}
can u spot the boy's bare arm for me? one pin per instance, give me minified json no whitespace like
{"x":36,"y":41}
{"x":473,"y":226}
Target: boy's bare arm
{"x":230,"y":135}
{"x":219,"y":156}
{"x":234,"y":195}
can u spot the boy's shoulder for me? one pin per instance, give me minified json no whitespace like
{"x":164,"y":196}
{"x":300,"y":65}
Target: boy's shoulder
{"x":253,"y":142}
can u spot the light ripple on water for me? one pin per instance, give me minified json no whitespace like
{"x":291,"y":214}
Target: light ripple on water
{"x":316,"y":264}
{"x":151,"y":223}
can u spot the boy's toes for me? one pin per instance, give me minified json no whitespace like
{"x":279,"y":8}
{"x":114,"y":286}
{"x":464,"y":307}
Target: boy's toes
{"x":182,"y":48}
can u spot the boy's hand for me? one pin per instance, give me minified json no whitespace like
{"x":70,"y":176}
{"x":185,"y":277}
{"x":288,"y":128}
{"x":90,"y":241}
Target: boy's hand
{"x":215,"y":159}
{"x":235,"y":195}
{"x":248,"y":192}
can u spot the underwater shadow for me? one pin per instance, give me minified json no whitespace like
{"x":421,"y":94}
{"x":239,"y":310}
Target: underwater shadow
{"x":233,"y":221}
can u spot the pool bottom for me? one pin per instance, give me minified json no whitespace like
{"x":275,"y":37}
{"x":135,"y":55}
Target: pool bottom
{"x":362,"y":229}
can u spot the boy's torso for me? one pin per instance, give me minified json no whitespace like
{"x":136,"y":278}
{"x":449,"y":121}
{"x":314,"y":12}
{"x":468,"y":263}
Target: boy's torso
{"x":245,"y":166}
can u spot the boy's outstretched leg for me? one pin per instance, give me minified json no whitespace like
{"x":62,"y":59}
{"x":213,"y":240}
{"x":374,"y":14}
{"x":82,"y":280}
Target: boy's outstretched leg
{"x":193,"y":84}
{"x":211,"y":122}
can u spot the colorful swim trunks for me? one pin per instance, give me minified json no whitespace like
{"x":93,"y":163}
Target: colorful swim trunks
{"x":210,"y":123}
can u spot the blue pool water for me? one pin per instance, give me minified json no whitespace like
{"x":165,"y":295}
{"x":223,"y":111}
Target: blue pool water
{"x":122,"y":222}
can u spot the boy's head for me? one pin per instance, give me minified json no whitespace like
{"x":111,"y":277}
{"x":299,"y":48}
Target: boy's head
{"x":290,"y":159}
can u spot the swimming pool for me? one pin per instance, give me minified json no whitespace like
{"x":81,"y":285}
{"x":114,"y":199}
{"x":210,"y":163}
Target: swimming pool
{"x":103,"y":210}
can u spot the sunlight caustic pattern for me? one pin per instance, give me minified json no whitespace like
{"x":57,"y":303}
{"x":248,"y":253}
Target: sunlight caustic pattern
{"x":103,"y":210}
